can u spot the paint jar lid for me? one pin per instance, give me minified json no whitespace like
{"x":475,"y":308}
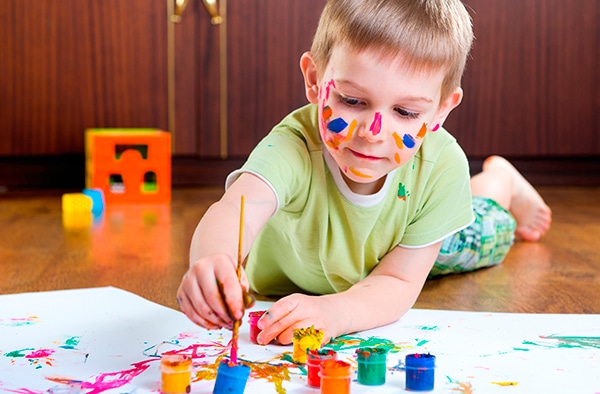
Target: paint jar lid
{"x":371,"y":354}
{"x":254,"y":316}
{"x":317,"y":355}
{"x":335,"y":369}
{"x":420,"y":360}
{"x":175,"y":363}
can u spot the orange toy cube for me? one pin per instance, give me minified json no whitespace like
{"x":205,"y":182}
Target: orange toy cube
{"x":129,"y":165}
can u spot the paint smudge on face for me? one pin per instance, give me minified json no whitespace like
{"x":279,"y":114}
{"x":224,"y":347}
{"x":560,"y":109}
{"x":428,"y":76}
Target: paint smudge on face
{"x":358,"y":173}
{"x":402,"y":193}
{"x":436,"y":127}
{"x":337,"y":125}
{"x":398,"y":140}
{"x":397,"y":158}
{"x":334,"y":140}
{"x":409,"y":141}
{"x":423,"y":131}
{"x":327,"y":112}
{"x":376,"y":125}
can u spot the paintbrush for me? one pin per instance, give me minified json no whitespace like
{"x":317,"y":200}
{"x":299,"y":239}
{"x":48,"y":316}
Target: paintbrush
{"x":238,"y":322}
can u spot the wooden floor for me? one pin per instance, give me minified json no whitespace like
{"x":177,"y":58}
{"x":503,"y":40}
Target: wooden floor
{"x":144,"y":248}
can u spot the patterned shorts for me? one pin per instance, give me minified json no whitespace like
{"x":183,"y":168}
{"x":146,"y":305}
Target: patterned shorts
{"x":482,"y":244}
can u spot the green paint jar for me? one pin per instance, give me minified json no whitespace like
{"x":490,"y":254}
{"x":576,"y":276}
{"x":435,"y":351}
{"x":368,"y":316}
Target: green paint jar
{"x":371,"y":365}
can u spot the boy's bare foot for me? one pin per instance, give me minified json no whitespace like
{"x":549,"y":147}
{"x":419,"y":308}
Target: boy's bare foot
{"x":527,"y":206}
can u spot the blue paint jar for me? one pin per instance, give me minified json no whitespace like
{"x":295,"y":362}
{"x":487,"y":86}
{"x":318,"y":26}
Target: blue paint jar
{"x":420,"y":372}
{"x":231,"y":379}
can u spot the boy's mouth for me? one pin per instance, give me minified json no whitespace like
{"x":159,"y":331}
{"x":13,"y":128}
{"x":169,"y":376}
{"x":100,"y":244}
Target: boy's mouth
{"x":363,"y":156}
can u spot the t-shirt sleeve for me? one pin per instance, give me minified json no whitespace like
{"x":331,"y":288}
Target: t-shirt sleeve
{"x":281,"y":159}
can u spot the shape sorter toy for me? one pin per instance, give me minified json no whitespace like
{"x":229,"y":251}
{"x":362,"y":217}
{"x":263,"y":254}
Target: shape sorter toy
{"x":129,"y":165}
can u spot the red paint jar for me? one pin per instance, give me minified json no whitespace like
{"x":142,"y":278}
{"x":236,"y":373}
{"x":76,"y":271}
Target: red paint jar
{"x":313,"y":363}
{"x":253,"y":318}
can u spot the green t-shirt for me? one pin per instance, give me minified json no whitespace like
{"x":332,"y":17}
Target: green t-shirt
{"x":323,"y":237}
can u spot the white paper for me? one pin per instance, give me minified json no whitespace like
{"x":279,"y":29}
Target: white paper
{"x":108,"y":340}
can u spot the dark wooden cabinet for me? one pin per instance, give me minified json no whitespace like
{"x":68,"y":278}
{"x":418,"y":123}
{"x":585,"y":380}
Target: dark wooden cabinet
{"x":531,"y":85}
{"x":72,"y":64}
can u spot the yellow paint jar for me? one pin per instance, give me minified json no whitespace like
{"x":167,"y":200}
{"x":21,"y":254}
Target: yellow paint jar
{"x":176,"y":371}
{"x":305,"y":339}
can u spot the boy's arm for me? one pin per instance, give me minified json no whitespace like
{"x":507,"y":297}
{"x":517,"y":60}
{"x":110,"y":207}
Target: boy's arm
{"x":381,"y":298}
{"x":214,"y":250}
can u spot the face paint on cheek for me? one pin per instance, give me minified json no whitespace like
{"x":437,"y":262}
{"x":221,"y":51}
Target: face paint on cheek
{"x":376,"y":125}
{"x":422,"y":131}
{"x":436,"y":127}
{"x":409,"y":141}
{"x":398,"y":140}
{"x":337,"y":125}
{"x":334,"y":140}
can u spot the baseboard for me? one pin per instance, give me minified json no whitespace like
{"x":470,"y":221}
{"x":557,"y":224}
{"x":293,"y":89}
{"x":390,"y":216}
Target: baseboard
{"x":67,"y":172}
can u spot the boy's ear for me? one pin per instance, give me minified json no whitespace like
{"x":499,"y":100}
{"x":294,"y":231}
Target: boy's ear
{"x":451,"y":102}
{"x":309,"y":71}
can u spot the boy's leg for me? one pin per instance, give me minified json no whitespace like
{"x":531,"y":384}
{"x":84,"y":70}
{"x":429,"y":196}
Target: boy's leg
{"x":502,"y":182}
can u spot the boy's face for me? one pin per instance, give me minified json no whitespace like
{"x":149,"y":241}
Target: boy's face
{"x":374,"y":114}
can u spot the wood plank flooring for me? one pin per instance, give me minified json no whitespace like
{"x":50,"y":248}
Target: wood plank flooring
{"x":144,"y":249}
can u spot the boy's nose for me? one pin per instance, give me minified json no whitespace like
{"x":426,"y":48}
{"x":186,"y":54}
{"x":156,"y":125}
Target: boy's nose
{"x":372,"y":129}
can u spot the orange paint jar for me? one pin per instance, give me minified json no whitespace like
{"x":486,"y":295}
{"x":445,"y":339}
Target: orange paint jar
{"x":335,"y":377}
{"x":176,"y":373}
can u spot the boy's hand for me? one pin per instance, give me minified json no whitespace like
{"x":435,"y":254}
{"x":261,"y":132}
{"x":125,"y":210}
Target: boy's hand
{"x":210,"y":294}
{"x":299,"y":311}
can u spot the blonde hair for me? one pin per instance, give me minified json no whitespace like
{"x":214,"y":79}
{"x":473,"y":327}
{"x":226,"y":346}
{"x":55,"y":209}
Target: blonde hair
{"x":428,"y":34}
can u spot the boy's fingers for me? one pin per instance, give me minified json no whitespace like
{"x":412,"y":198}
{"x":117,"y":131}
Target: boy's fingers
{"x":186,"y":307}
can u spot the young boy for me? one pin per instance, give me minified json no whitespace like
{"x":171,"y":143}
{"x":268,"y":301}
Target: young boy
{"x":349,"y":199}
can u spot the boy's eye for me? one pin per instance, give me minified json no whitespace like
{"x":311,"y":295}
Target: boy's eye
{"x":350,"y":101}
{"x":407,"y":114}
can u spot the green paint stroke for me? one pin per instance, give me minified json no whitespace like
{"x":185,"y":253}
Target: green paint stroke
{"x":71,"y":343}
{"x":18,"y":353}
{"x":568,"y":342}
{"x":346,"y":342}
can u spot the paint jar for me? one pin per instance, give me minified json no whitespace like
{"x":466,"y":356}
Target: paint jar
{"x":335,"y":377}
{"x":372,"y":366}
{"x":253,"y":318}
{"x":231,"y":378}
{"x":176,"y":372}
{"x":314,"y":360}
{"x":420,"y":372}
{"x":305,"y":339}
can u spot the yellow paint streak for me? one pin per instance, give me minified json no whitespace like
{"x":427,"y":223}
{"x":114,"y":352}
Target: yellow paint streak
{"x":398,"y":140}
{"x":351,"y":129}
{"x":506,"y":383}
{"x":358,"y":173}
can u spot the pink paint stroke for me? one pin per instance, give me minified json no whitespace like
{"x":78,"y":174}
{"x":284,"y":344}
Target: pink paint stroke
{"x":376,"y":125}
